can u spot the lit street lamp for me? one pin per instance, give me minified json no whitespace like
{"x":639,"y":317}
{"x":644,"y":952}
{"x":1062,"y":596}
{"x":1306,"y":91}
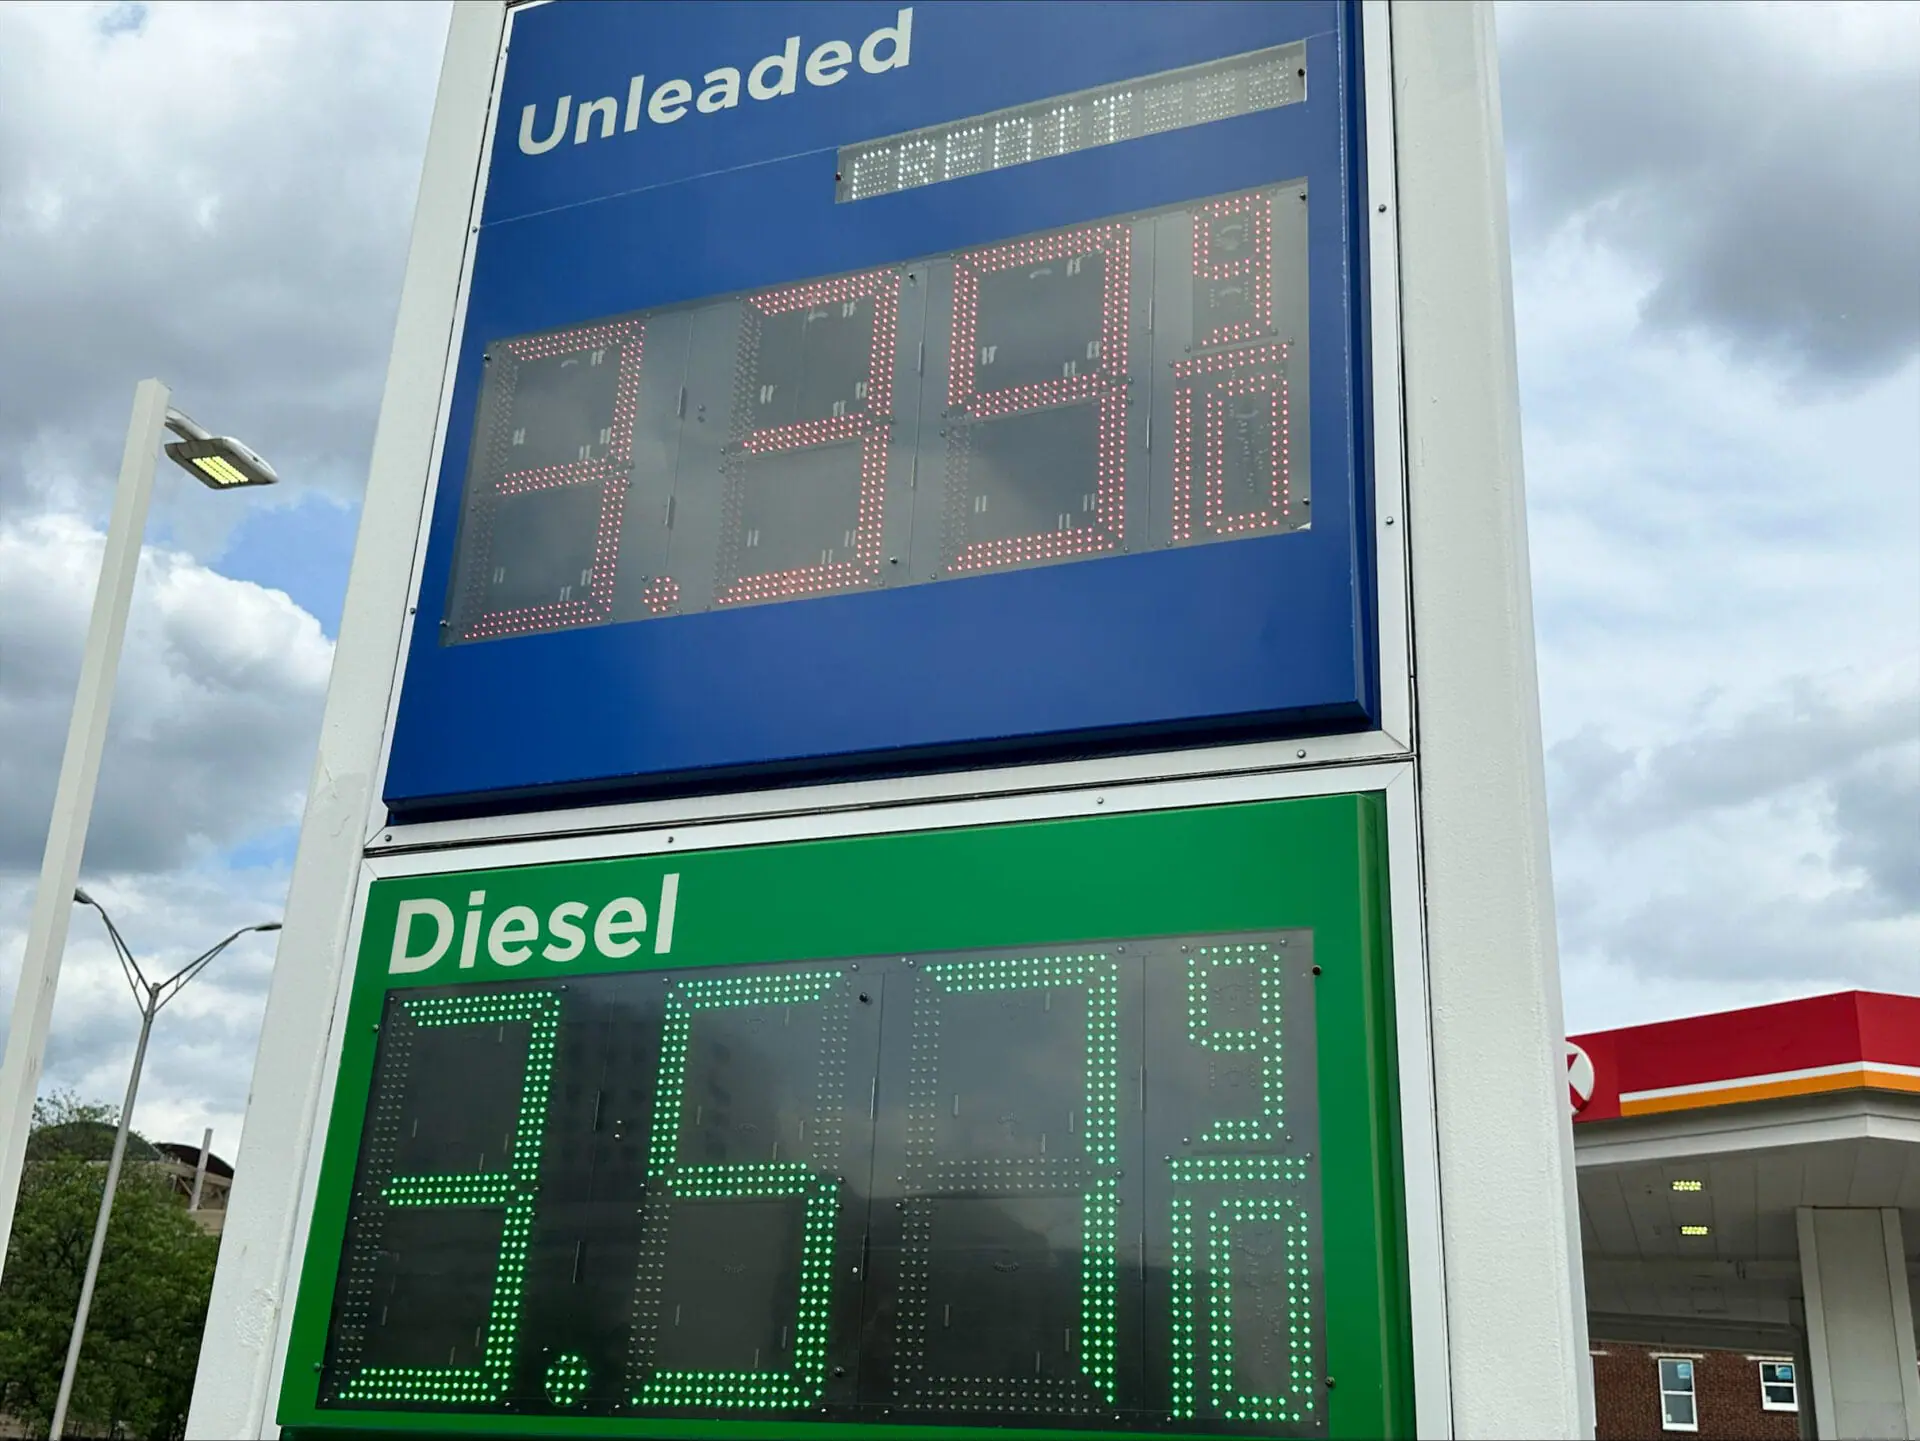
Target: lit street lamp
{"x":151,"y":995}
{"x":220,"y":463}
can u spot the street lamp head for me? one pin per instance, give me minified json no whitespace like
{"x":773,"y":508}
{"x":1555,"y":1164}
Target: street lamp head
{"x":220,"y":462}
{"x":268,"y":926}
{"x":84,"y":899}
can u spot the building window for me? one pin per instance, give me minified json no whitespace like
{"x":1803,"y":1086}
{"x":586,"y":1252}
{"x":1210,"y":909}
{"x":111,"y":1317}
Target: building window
{"x":1677,"y":1411}
{"x":1777,"y":1389}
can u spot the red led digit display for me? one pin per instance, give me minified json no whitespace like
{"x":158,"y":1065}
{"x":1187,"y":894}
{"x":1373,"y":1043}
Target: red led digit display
{"x":1039,"y":332}
{"x":544,"y":538}
{"x":1232,"y":433}
{"x":815,"y":374}
{"x":1123,"y":385}
{"x":1233,"y":270}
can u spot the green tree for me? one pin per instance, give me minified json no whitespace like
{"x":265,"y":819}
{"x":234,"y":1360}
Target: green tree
{"x":149,"y":1304}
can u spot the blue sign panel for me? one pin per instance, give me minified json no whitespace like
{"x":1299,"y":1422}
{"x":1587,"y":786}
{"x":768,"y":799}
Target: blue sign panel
{"x":853,"y":387}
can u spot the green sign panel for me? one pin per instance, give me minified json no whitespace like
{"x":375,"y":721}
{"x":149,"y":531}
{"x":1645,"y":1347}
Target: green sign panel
{"x":1079,"y":1128}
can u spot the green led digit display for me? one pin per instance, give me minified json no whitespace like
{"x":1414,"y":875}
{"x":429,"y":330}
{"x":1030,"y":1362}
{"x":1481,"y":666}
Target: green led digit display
{"x":1258,"y":966}
{"x":1251,"y":1188}
{"x":679,"y":1181}
{"x":969,"y":1227}
{"x":510,"y":1189}
{"x":1083,"y":1163}
{"x":763,"y":1176}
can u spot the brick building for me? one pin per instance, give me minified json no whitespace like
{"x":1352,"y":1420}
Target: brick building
{"x":1644,"y":1392}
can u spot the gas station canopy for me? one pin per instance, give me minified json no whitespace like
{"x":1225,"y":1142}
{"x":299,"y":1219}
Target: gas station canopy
{"x":1751,"y":1180}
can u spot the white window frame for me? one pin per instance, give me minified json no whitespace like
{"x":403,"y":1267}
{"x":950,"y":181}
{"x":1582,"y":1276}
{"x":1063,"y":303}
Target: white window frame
{"x":1692,"y":1393}
{"x":1767,"y":1403}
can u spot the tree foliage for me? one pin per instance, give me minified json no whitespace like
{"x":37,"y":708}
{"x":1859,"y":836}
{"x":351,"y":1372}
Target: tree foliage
{"x":65,"y":1125}
{"x":149,"y":1304}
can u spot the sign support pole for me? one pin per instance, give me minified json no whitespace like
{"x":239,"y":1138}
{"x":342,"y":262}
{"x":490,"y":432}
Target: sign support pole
{"x":1516,"y":1304}
{"x":234,"y":1384}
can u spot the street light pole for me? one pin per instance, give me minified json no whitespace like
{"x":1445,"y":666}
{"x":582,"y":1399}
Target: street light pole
{"x":73,"y":796}
{"x":220,"y":463}
{"x":151,"y":995}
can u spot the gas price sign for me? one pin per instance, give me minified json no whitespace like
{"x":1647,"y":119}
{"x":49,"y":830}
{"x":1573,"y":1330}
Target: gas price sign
{"x":615,"y":1154}
{"x":954,"y":377}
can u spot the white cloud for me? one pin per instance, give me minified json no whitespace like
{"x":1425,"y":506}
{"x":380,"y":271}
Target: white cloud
{"x":1697,"y":524}
{"x":1765,"y":160}
{"x":200,"y":1061}
{"x":214,"y":724}
{"x":215,"y":716}
{"x":1753,"y":850}
{"x":219,"y":196}
{"x":1725,"y":513}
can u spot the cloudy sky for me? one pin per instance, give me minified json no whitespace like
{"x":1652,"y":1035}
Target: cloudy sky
{"x":1717,"y":281}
